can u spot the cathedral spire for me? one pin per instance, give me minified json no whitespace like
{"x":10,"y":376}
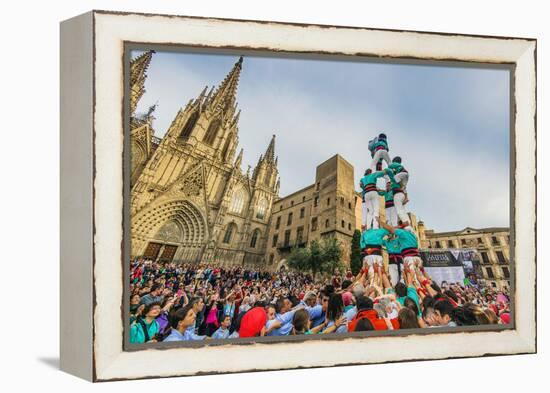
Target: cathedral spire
{"x":225,"y":95}
{"x":138,"y":74}
{"x":139,"y":65}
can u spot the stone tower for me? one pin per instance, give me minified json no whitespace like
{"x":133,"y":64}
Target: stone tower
{"x":334,"y":188}
{"x":141,"y":128}
{"x":138,"y":74}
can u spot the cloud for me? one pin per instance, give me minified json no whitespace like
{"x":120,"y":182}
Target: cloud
{"x":172,"y":87}
{"x":450,"y":126}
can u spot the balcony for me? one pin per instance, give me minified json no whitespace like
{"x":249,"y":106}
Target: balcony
{"x":287,"y":246}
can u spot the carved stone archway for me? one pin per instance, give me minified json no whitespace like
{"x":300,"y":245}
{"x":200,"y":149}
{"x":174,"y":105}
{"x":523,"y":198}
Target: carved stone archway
{"x":175,"y":223}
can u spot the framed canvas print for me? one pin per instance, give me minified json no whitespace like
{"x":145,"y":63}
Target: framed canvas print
{"x":248,"y":195}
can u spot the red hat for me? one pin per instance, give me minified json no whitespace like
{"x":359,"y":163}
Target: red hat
{"x":505,"y":318}
{"x":253,"y":322}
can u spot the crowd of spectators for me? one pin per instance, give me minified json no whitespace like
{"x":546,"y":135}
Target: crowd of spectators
{"x":181,"y":302}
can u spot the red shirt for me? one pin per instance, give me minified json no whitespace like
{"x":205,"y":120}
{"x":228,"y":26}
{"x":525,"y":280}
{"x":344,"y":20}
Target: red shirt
{"x":372,"y":316}
{"x":253,"y":322}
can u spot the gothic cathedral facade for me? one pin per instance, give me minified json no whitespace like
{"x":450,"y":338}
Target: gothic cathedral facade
{"x":190,"y":201}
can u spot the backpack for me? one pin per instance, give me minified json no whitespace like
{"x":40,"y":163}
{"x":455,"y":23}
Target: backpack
{"x":159,"y":336}
{"x":377,"y":324}
{"x":144,"y":329}
{"x":372,"y":142}
{"x":353,"y":323}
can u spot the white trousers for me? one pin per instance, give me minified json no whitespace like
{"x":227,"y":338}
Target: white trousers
{"x":394,"y":274}
{"x":398,"y":202}
{"x":370,"y":260}
{"x":379,"y":155}
{"x":402,"y":178}
{"x":372,"y":207}
{"x":411,"y":261}
{"x":391,"y":216}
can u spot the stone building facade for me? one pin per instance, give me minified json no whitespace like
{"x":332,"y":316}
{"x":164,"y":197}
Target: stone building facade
{"x":327,"y":208}
{"x":190,"y":201}
{"x":492,"y":245}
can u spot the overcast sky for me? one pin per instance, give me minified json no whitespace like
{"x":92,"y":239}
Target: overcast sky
{"x":450,"y":125}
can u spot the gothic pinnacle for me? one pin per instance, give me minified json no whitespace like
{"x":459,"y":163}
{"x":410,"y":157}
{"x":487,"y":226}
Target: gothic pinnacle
{"x":237,"y":116}
{"x":209,"y":96}
{"x":270,"y":152}
{"x":203,"y":93}
{"x":239,"y":159}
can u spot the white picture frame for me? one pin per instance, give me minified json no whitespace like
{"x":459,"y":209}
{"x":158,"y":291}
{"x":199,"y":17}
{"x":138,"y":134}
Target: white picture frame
{"x":92,"y":147}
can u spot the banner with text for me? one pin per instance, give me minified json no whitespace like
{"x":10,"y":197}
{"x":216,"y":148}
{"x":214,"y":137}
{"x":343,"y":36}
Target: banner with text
{"x":442,"y":265}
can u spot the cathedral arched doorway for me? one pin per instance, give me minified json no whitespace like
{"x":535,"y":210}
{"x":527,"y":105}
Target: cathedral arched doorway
{"x":173,"y":231}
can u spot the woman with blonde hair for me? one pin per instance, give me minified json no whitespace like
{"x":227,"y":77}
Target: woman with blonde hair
{"x":493,"y":318}
{"x":480,"y":315}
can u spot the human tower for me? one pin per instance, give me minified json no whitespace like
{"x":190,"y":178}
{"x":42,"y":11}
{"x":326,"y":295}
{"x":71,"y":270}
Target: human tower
{"x":395,"y":235}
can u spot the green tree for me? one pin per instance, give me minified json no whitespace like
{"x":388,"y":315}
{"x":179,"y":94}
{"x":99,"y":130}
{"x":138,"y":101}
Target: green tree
{"x":319,"y":257}
{"x":355,"y":256}
{"x":299,"y":259}
{"x":315,"y":257}
{"x":331,"y":255}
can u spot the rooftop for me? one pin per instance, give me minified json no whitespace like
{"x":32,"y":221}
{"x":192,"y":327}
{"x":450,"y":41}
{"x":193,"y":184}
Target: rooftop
{"x":467,"y":231}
